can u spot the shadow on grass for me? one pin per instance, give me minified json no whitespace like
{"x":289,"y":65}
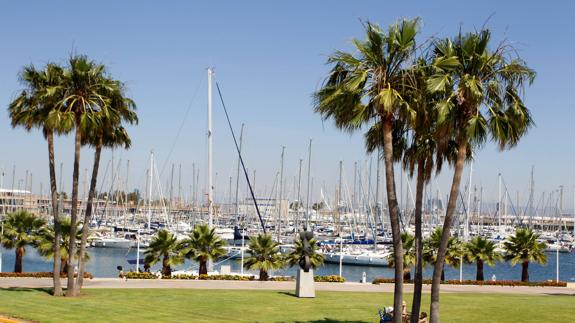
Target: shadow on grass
{"x":328,"y":320}
{"x":288,"y":294}
{"x":559,"y":294}
{"x":27,"y":289}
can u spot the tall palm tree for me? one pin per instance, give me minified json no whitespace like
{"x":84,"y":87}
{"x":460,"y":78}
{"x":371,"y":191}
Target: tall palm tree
{"x":408,"y":243}
{"x":453,"y":255}
{"x":85,"y":86}
{"x":46,"y":241}
{"x":31,"y":109}
{"x":484,"y":99}
{"x":263,"y":254}
{"x":164,"y":246}
{"x":108,"y":132}
{"x":366,"y":87}
{"x":293,"y":258}
{"x":20,"y":230}
{"x":525,"y":247}
{"x":203,"y":245}
{"x":481,"y":251}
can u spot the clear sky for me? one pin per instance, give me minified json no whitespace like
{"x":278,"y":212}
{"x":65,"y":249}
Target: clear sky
{"x":269,"y":57}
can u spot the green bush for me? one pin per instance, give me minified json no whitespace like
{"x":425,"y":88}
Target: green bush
{"x":281,"y":279}
{"x":140,"y":275}
{"x":378,"y":281}
{"x":226,"y":277}
{"x":329,"y":279}
{"x":182,"y":276}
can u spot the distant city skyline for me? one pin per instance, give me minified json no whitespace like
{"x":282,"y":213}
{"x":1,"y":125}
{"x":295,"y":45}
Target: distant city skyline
{"x":268,"y":66}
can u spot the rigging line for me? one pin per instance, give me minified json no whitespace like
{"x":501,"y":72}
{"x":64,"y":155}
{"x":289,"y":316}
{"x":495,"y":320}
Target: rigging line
{"x":241,"y":159}
{"x":181,"y":127}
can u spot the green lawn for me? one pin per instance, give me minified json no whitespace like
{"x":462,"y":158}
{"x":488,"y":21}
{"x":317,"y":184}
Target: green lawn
{"x":188,"y":305}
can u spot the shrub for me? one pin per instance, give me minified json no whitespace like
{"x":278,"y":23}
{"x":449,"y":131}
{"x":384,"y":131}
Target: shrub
{"x":378,"y":281}
{"x":140,"y":275}
{"x":40,"y":275}
{"x":329,"y":279}
{"x":182,"y":276}
{"x":281,"y":278}
{"x":225,"y":277}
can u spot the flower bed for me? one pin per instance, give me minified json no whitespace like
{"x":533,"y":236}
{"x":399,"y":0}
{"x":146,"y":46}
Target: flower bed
{"x":226,"y":277}
{"x":140,"y":275}
{"x":378,"y":281}
{"x":45,"y":274}
{"x":281,"y":279}
{"x":182,"y":277}
{"x":329,"y":279}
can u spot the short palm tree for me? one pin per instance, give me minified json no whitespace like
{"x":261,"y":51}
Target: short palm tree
{"x":408,"y":243}
{"x":431,"y":247}
{"x":203,"y":245}
{"x":294,"y":257}
{"x":263,"y":254}
{"x":164,"y":247}
{"x":21,"y":229}
{"x":367,"y":87}
{"x":483,"y":90}
{"x":46,"y":240}
{"x":31,"y":109}
{"x":524,"y":247}
{"x":481,"y":251}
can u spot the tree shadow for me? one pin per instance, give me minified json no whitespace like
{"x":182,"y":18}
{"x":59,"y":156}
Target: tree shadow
{"x":28,"y":289}
{"x":559,"y":294}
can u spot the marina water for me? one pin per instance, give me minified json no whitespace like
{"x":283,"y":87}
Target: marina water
{"x":103,"y":263}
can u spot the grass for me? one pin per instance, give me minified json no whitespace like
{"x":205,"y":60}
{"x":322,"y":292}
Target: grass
{"x":188,"y":305}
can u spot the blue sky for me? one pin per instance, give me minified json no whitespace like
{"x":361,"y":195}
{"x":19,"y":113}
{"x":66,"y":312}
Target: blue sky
{"x":269,"y":57}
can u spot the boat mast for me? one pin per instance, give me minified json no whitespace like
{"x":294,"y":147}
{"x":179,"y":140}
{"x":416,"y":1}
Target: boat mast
{"x":150,"y":181}
{"x":210,"y":185}
{"x":279,"y":204}
{"x":237,"y":208}
{"x":308,"y":185}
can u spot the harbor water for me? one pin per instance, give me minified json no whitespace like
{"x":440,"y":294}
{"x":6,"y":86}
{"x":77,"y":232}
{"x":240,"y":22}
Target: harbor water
{"x":103,"y":263}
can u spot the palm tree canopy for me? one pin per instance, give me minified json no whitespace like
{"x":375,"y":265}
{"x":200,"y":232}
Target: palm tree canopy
{"x":45,"y":241}
{"x":21,"y":229}
{"x":479,"y":248}
{"x":163,"y":244}
{"x":484,"y":90}
{"x":368,"y":83}
{"x":293,"y":258}
{"x":431,"y":246}
{"x":203,"y":244}
{"x":408,"y":243}
{"x":525,"y":246}
{"x":41,"y":96}
{"x":263,"y":253}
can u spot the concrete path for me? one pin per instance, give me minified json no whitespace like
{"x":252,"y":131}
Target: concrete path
{"x":257,"y":285}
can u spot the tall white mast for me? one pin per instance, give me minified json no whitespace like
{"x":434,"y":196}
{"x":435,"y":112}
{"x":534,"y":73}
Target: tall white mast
{"x":279,"y":229}
{"x":308,"y":186}
{"x":150,"y":184}
{"x":210,"y":184}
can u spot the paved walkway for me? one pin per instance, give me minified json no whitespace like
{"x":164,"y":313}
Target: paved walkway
{"x":257,"y":285}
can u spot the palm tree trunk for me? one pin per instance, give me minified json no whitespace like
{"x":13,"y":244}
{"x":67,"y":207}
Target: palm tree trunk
{"x":203,"y":268}
{"x":87,"y":217}
{"x":418,"y":281}
{"x":393,"y":218}
{"x":442,"y":274}
{"x":74,"y":213}
{"x":166,"y":270}
{"x":451,"y":204}
{"x":19,"y":258}
{"x":407,"y":275}
{"x":54,"y":197}
{"x":263,"y":275}
{"x":64,"y":263}
{"x":480,"y":275}
{"x":525,"y":271}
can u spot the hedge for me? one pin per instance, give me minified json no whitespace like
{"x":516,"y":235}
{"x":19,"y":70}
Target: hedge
{"x":225,"y":277}
{"x":42,"y":274}
{"x":329,"y":279}
{"x":140,"y":275}
{"x":378,"y":281}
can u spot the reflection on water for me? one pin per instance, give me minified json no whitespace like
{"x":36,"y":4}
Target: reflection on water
{"x":103,"y":263}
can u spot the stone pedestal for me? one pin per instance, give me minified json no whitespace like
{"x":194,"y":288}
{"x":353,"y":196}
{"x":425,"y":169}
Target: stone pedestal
{"x":304,"y":287}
